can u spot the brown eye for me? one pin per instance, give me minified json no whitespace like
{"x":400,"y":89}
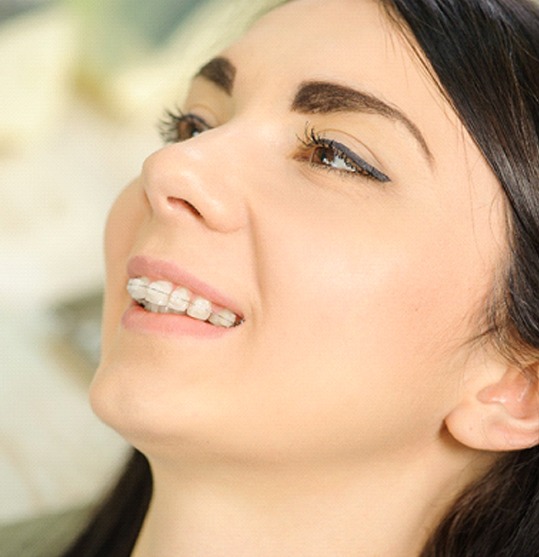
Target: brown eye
{"x":190,"y":126}
{"x":323,"y":155}
{"x":177,"y":127}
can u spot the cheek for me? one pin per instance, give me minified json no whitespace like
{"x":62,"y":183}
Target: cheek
{"x":370,"y":307}
{"x":407,"y":286}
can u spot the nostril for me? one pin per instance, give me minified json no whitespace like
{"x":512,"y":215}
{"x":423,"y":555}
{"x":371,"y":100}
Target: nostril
{"x":176,"y":201}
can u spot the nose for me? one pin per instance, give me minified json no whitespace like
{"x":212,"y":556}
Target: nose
{"x":198,"y":179}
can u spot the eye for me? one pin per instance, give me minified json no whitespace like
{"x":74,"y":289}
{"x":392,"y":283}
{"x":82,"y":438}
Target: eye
{"x":177,"y":126}
{"x":336,"y":157}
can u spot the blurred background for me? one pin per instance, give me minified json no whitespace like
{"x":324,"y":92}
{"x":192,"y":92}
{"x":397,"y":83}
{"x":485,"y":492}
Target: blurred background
{"x":83,"y":84}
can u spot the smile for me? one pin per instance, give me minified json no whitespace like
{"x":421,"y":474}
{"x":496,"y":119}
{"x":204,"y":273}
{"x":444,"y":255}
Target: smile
{"x":163,"y":297}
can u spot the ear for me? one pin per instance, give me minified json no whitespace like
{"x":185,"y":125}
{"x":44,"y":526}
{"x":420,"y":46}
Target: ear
{"x":502,"y":416}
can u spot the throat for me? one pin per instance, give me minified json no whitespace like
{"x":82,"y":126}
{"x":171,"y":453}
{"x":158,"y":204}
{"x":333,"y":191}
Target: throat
{"x":319,"y":514}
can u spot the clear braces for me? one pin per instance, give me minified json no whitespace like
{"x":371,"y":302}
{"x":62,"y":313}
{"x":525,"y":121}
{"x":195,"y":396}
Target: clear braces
{"x":162,"y":297}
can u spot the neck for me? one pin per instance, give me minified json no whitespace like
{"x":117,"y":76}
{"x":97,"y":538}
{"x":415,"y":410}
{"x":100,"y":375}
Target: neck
{"x":386,"y":509}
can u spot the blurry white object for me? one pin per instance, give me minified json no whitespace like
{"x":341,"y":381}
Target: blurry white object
{"x":37,"y":54}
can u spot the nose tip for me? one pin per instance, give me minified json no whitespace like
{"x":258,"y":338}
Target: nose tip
{"x":186,"y":183}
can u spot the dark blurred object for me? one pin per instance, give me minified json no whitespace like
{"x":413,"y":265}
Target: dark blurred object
{"x":155,"y":22}
{"x":9,"y":8}
{"x":78,"y":324}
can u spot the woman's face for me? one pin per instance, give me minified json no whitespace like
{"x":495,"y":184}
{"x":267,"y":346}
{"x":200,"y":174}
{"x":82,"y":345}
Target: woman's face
{"x":323,"y":191}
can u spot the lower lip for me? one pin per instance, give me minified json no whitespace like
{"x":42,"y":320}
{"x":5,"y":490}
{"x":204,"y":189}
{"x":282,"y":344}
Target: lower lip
{"x":138,"y":319}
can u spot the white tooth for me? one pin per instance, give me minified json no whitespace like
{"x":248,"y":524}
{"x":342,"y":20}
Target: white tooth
{"x":224,"y":318}
{"x":154,"y":308}
{"x":179,"y":300}
{"x":137,"y":288}
{"x":199,"y":309}
{"x":159,"y":292}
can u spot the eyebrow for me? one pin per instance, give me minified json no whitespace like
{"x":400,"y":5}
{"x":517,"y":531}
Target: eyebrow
{"x":221,"y":72}
{"x":323,"y":97}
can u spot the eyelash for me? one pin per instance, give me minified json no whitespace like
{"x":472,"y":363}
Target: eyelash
{"x":330,"y":148}
{"x":177,"y":126}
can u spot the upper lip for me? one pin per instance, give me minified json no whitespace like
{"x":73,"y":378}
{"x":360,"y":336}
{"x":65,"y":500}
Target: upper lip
{"x":157,"y":269}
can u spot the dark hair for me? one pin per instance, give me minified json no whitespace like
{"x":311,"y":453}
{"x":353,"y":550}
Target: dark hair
{"x":485,"y":55}
{"x":116,"y":523}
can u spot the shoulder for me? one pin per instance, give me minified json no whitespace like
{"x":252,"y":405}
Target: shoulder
{"x":44,"y":536}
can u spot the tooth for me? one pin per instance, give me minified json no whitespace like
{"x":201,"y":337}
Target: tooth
{"x":179,"y":300}
{"x":199,"y":309}
{"x":138,"y":287}
{"x":159,"y":292}
{"x":224,"y":318}
{"x":154,"y":308}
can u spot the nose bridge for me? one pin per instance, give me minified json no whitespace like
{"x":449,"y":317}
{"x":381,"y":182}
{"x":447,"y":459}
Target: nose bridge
{"x":199,"y":178}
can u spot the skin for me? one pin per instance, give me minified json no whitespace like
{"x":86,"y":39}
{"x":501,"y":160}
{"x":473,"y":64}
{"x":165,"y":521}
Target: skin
{"x":320,"y":424}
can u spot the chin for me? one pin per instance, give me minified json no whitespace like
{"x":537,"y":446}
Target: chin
{"x":151,"y":414}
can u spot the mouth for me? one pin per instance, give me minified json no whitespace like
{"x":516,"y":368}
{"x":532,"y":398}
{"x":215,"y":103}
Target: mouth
{"x":164,"y":297}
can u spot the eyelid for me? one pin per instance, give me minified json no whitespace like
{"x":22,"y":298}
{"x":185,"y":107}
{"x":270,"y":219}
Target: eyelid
{"x":204,"y":112}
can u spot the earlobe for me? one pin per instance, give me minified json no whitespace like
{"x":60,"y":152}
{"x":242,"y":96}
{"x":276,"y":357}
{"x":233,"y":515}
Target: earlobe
{"x":503,"y":416}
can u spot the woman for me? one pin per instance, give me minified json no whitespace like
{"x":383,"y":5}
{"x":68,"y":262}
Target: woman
{"x":321,"y":321}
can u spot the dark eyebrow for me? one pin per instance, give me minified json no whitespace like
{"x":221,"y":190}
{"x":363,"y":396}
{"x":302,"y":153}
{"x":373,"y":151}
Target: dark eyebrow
{"x":323,"y":97}
{"x":221,"y":72}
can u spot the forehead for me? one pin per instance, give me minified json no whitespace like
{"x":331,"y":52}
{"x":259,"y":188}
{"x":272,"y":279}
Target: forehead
{"x":353,"y":39}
